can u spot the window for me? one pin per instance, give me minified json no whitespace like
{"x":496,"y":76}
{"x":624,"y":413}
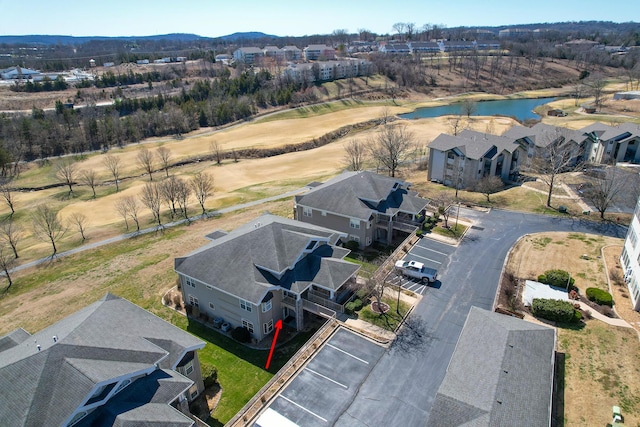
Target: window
{"x":189,"y":282}
{"x":189,"y":368}
{"x":245,"y":305}
{"x":211,"y":306}
{"x":306,"y":212}
{"x":354,"y":238}
{"x":193,"y":301}
{"x":633,"y":238}
{"x":193,"y":392}
{"x":323,"y":213}
{"x":268,"y":327}
{"x":354,"y":223}
{"x":266,"y":306}
{"x":248,"y":325}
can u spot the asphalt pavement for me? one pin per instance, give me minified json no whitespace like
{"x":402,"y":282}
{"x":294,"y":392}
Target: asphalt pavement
{"x":401,"y":388}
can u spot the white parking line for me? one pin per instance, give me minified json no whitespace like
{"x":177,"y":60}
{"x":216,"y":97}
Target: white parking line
{"x":433,"y":250}
{"x":348,"y":354}
{"x":428,"y":259}
{"x":303,"y":408}
{"x":326,"y":378}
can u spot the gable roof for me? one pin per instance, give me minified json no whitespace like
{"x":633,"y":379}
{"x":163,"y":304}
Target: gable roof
{"x":501,"y":374}
{"x":271,"y":251}
{"x":360,"y":194}
{"x":107,"y":339}
{"x":474,"y":145}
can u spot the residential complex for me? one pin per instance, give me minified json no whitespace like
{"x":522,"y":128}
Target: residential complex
{"x":366,"y":206}
{"x":111,"y":363}
{"x":630,"y":259}
{"x":270,"y":269}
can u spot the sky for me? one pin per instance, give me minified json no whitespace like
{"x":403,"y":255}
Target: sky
{"x":214,"y":18}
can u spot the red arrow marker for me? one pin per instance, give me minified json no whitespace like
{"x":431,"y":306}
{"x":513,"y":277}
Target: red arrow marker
{"x":273,"y":344}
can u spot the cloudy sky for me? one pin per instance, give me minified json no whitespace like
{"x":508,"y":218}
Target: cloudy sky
{"x":213,"y":18}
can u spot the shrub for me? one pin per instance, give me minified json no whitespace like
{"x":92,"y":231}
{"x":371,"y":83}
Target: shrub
{"x":352,"y":245}
{"x":554,"y":310}
{"x":599,"y":296}
{"x":177,"y":300}
{"x":558,"y":278}
{"x":209,"y":374}
{"x":350,"y":307}
{"x":419,"y":232}
{"x":362,"y":293}
{"x":241,"y":334}
{"x":357,"y":304}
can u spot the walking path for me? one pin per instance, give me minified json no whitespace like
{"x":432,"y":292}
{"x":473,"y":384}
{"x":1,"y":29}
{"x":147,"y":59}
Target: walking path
{"x":121,"y":237}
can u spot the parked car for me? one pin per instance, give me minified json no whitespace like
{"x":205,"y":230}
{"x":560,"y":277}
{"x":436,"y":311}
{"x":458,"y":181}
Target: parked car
{"x":417,"y":270}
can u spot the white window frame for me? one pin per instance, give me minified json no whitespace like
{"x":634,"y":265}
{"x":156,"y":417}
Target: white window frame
{"x":189,"y":282}
{"x":308,"y":212}
{"x":267,"y":327}
{"x":188,"y":369}
{"x":193,"y":301}
{"x":266,"y":306}
{"x":354,"y":223}
{"x":248,"y":325}
{"x":245,"y":305}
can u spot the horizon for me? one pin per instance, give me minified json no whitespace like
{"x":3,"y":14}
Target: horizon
{"x":287,"y":18}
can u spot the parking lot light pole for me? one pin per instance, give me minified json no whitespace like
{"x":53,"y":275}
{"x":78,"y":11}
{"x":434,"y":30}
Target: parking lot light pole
{"x":398,"y":302}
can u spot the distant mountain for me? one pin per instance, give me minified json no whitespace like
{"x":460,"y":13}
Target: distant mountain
{"x":247,"y":36}
{"x":59,"y":39}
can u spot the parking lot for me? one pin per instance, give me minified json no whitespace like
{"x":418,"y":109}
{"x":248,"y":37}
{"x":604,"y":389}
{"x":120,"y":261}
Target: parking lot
{"x":324,"y":388}
{"x":432,"y":254}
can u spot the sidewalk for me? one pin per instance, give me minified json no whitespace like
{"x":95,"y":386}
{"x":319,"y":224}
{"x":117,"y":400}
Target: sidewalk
{"x":601,"y":317}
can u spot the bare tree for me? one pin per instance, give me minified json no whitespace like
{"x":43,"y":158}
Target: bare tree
{"x":11,"y":233}
{"x":469,"y":107}
{"x":7,"y":263}
{"x":553,"y":154}
{"x":113,"y":164}
{"x":66,"y":172}
{"x":216,"y":151}
{"x":169,"y":191}
{"x":605,"y":190}
{"x":145,"y":161}
{"x":122,"y":209}
{"x":47,"y":225}
{"x":90,"y":178}
{"x":7,"y":195}
{"x":355,"y":155}
{"x":151,"y":197}
{"x":456,"y":124}
{"x":80,"y":222}
{"x":202,"y":184}
{"x":133,"y":210}
{"x":443,"y":201}
{"x":165,"y":156}
{"x":597,"y":84}
{"x":183,"y":192}
{"x":392,"y":145}
{"x":489,"y":185}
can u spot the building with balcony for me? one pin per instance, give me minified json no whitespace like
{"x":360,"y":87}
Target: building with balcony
{"x":366,"y":206}
{"x":630,"y":259}
{"x":270,"y":269}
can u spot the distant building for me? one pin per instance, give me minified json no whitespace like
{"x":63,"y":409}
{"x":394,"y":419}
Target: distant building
{"x":142,"y":61}
{"x":314,"y":52}
{"x":248,"y":55}
{"x":292,"y":53}
{"x":630,"y":259}
{"x":19,"y":73}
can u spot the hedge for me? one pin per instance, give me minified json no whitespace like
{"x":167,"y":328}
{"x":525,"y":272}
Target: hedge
{"x":558,"y":278}
{"x":352,"y":245}
{"x":599,"y":296}
{"x":554,"y":310}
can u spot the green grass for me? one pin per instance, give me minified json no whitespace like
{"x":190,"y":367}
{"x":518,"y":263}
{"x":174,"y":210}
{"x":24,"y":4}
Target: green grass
{"x":366,"y":268}
{"x":454,"y":231}
{"x":388,"y":321}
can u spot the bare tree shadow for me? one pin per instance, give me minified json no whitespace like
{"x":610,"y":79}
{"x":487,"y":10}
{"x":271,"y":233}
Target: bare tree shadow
{"x":413,"y":336}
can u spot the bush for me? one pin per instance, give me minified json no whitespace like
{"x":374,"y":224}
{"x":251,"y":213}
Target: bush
{"x":558,"y":278}
{"x":352,"y":245}
{"x":419,"y":232}
{"x":599,"y":296}
{"x":350,"y":307}
{"x":241,"y":334}
{"x":554,"y":310}
{"x":209,"y":374}
{"x":177,"y":300}
{"x":357,"y":304}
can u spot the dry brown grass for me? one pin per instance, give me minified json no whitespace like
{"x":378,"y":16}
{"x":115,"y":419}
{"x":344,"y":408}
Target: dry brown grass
{"x":601,"y":367}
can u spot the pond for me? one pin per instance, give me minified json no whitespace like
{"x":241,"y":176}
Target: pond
{"x":521,"y":109}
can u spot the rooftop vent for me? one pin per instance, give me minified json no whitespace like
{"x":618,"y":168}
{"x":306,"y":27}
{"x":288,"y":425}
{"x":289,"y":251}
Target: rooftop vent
{"x":38,"y":347}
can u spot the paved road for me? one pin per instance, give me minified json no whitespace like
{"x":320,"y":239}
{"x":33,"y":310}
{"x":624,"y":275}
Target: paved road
{"x":402,"y":386}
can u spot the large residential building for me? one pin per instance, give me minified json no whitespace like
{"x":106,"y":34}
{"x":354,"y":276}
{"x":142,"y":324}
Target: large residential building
{"x":248,"y":55}
{"x":630,"y":259}
{"x":315,"y":52}
{"x":501,"y":374}
{"x":603,"y":143}
{"x":367,"y":206}
{"x":109,"y":364}
{"x":270,"y":269}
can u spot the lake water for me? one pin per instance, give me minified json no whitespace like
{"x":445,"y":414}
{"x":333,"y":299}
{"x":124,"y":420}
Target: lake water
{"x":521,"y":109}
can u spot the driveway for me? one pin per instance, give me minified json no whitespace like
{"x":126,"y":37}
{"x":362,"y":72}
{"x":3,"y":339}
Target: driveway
{"x":401,"y":388}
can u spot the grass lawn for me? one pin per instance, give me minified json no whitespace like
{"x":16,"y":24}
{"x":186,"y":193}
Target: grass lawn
{"x":389,"y":320}
{"x":454,"y":231}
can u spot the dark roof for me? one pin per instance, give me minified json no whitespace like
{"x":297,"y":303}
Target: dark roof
{"x":501,"y":374}
{"x":110,"y":338}
{"x":360,"y":194}
{"x":271,"y":251}
{"x":475,"y":145}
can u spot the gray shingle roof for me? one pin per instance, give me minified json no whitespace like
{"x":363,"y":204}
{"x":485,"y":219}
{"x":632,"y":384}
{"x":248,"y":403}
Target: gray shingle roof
{"x":501,"y":374}
{"x":475,"y":145}
{"x":107,"y":339}
{"x":265,"y":253}
{"x":361,"y":194}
